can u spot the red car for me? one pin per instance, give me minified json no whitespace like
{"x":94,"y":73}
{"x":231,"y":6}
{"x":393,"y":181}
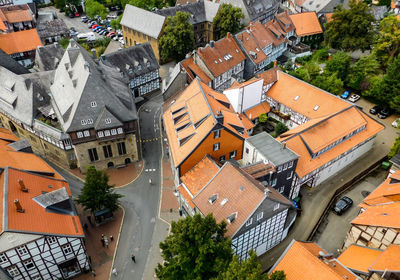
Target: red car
{"x":94,"y":26}
{"x":76,"y":14}
{"x":110,"y":34}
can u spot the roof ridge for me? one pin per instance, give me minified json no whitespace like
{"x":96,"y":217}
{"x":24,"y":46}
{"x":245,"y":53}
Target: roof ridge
{"x":206,"y":99}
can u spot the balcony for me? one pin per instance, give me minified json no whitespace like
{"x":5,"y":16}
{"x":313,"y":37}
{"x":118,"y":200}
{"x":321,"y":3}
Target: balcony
{"x":281,"y":115}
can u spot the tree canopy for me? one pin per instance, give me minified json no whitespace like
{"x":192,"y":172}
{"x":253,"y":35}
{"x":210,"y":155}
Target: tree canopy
{"x":395,"y":149}
{"x":350,"y":29}
{"x":280,"y":128}
{"x":116,"y":23}
{"x":93,"y":8}
{"x":387,"y":45}
{"x":228,"y":19}
{"x":177,"y":39}
{"x":339,"y":64}
{"x":362,"y":72}
{"x":196,"y":249}
{"x":96,"y":193}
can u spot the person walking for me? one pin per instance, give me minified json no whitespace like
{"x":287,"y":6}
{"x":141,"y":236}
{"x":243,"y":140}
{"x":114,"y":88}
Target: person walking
{"x":93,"y":273}
{"x":133,"y":258}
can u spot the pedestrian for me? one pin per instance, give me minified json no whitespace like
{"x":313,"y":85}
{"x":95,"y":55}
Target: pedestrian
{"x":93,"y":273}
{"x":114,"y":271}
{"x":133,"y":258}
{"x":102,"y":241}
{"x":111,"y":238}
{"x":105,"y":241}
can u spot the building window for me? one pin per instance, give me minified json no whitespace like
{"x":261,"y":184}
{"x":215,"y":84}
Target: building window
{"x":232,"y":154}
{"x":217,"y":134}
{"x":291,"y":164}
{"x":22,"y":250}
{"x":51,"y":239}
{"x":93,"y":154}
{"x":249,"y":222}
{"x":216,"y":146}
{"x":221,"y":158}
{"x":67,"y":249}
{"x":86,"y":133}
{"x":247,"y":150}
{"x":3,"y":258}
{"x":113,"y":131}
{"x":106,"y":132}
{"x":107,"y":151}
{"x":119,"y":130}
{"x":260,"y":216}
{"x":79,"y":134}
{"x":36,"y":277}
{"x":276,"y":206}
{"x":290,"y":175}
{"x":108,"y":121}
{"x":121,"y":148}
{"x":285,"y":166}
{"x":29,"y":264}
{"x":100,"y":134}
{"x":279,"y":168}
{"x":282,"y":189}
{"x":13,"y":271}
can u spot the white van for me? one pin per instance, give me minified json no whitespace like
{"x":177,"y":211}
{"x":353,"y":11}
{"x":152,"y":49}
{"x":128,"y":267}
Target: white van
{"x":88,"y":36}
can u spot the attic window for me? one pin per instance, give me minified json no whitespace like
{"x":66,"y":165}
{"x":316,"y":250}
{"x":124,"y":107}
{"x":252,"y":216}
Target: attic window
{"x":130,"y":71}
{"x":185,"y":139}
{"x":93,"y":104}
{"x":183,"y":126}
{"x":177,"y":111}
{"x":83,"y":122}
{"x":223,"y":202}
{"x":89,"y":121}
{"x":237,"y":50}
{"x":212,"y":198}
{"x":220,"y":60}
{"x":179,"y":117}
{"x":216,"y":62}
{"x":276,"y":206}
{"x":316,"y":107}
{"x":40,"y":97}
{"x":108,"y":121}
{"x":197,"y":124}
{"x":231,"y":218}
{"x":297,"y":97}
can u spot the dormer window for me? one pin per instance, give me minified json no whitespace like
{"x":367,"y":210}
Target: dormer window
{"x":139,"y":67}
{"x":212,"y":199}
{"x":148,"y":64}
{"x":231,"y":218}
{"x":93,"y":104}
{"x":108,"y":121}
{"x":276,"y":206}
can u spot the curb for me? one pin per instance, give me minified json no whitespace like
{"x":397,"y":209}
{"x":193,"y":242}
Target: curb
{"x":117,"y":243}
{"x":138,"y":175}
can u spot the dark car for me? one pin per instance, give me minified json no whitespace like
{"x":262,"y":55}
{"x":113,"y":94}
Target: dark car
{"x":375,"y":110}
{"x":342,"y":205}
{"x":71,"y":15}
{"x":386,"y":112}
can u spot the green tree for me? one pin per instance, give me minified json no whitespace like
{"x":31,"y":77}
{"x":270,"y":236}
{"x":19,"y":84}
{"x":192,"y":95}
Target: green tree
{"x":116,"y":23}
{"x":384,"y":3}
{"x":277,"y":275}
{"x":228,"y":19}
{"x":350,"y":29}
{"x":339,"y":64}
{"x":280,"y":128}
{"x":96,"y":193}
{"x":321,"y":55}
{"x":262,"y":118}
{"x":93,"y":8}
{"x":395,"y":148}
{"x":178,"y":38}
{"x":387,"y":45}
{"x":329,"y":82}
{"x":307,"y":72}
{"x":64,"y":42}
{"x":362,"y":71}
{"x":59,"y":4}
{"x":196,"y":249}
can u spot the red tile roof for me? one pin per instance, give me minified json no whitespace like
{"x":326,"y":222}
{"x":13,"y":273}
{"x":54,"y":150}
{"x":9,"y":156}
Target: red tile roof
{"x":193,"y":70}
{"x":306,"y":23}
{"x":359,"y":258}
{"x":21,"y":41}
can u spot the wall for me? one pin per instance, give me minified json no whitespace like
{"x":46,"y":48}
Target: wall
{"x":82,"y":154}
{"x":228,"y":143}
{"x":373,"y":237}
{"x":131,"y":36}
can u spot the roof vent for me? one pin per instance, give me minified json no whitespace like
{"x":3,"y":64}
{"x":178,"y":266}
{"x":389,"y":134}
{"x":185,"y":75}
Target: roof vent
{"x":212,"y":44}
{"x":223,"y":202}
{"x":316,"y":107}
{"x":212,"y":198}
{"x":50,"y":186}
{"x":231,"y":218}
{"x":22,"y":185}
{"x":297,"y":97}
{"x":19,"y":207}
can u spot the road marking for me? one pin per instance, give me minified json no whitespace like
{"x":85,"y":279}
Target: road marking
{"x":153,"y":220}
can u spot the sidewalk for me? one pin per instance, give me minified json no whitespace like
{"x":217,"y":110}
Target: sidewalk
{"x":101,"y":257}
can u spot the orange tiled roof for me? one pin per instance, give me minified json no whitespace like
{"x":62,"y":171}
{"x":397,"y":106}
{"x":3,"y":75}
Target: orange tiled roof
{"x":251,"y":46}
{"x":300,"y":261}
{"x":388,"y":260}
{"x":2,"y":25}
{"x":214,"y":57}
{"x":329,"y":17}
{"x":247,"y":123}
{"x":21,"y":41}
{"x":27,"y":166}
{"x":270,"y":76}
{"x":278,"y":34}
{"x":254,"y":112}
{"x":386,"y":192}
{"x":16,"y":16}
{"x":194,"y":70}
{"x":385,"y":215}
{"x":306,"y":23}
{"x":359,"y":258}
{"x":241,"y":197}
{"x":287,"y":88}
{"x":316,"y":137}
{"x":192,"y":116}
{"x":285,"y":21}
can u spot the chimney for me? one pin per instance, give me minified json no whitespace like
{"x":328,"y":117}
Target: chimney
{"x":22,"y":185}
{"x":220,"y":117}
{"x":212,"y":44}
{"x":283,"y":145}
{"x":228,"y":35}
{"x":275,"y":63}
{"x":19,"y":207}
{"x":94,"y":54}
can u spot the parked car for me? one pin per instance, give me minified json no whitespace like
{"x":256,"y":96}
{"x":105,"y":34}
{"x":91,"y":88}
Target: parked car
{"x":386,"y":112}
{"x":76,"y":14}
{"x":116,"y":38}
{"x":111,"y":34}
{"x":396,"y":123}
{"x":345,"y":94}
{"x":354,"y":98}
{"x":375,"y":110}
{"x":343,"y":205}
{"x":71,"y":15}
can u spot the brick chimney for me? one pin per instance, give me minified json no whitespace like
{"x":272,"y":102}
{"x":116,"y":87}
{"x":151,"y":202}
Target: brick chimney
{"x":22,"y":185}
{"x":275,"y":63}
{"x":19,"y":207}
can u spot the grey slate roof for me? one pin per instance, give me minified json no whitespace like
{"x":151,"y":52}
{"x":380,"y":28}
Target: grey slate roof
{"x":144,"y":21}
{"x":7,"y":62}
{"x":21,"y":145}
{"x":128,"y":60}
{"x":83,"y":87}
{"x":200,"y":11}
{"x":52,"y":28}
{"x":48,"y":57}
{"x":396,"y":159}
{"x":271,"y":149}
{"x":255,"y":8}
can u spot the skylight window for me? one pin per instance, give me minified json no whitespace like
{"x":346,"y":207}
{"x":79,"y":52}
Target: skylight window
{"x":212,"y":198}
{"x":316,"y":107}
{"x":257,"y":49}
{"x":93,"y":104}
{"x":297,"y":97}
{"x":220,"y":60}
{"x":231,"y":218}
{"x":223,"y":202}
{"x":216,"y":62}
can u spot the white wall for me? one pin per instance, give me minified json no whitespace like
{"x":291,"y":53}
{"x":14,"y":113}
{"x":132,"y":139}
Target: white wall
{"x":245,"y":97}
{"x":252,"y":156}
{"x":233,"y":95}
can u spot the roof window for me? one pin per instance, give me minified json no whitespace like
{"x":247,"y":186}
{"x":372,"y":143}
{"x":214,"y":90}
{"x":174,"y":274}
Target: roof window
{"x":177,"y":111}
{"x":220,"y":60}
{"x":316,"y":107}
{"x":297,"y":97}
{"x":93,"y":104}
{"x":216,"y":62}
{"x":223,"y":202}
{"x":212,"y":199}
{"x":231,"y":218}
{"x":108,"y":121}
{"x":257,"y":49}
{"x":237,"y":50}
